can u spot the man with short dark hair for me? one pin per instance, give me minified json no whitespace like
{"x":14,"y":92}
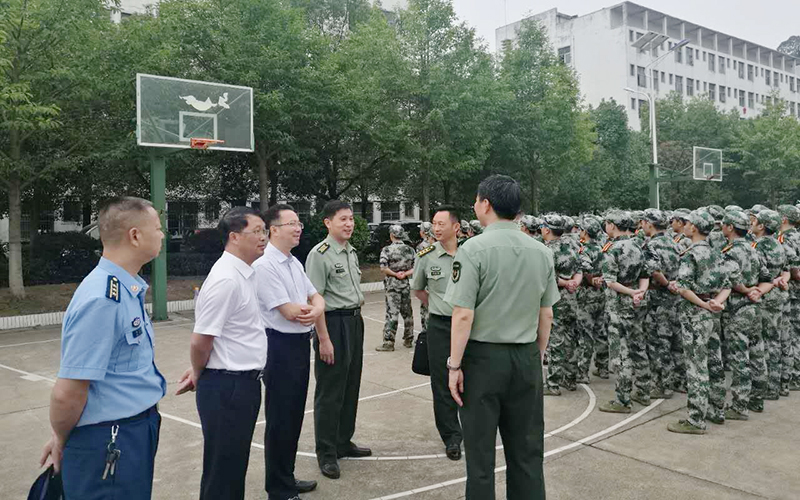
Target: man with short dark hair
{"x":228,"y":353}
{"x":290,"y":306}
{"x":502,"y":289}
{"x":108,"y":385}
{"x":332,"y":267}
{"x":431,"y":274}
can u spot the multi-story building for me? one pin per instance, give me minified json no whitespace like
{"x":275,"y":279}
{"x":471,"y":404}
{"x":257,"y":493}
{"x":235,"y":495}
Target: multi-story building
{"x":623,"y":46}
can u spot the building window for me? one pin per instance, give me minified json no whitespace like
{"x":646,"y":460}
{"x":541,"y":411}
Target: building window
{"x":741,"y":70}
{"x":722,"y":65}
{"x":655,"y":80}
{"x":741,"y":98}
{"x":641,"y":77}
{"x":670,"y":78}
{"x":712,"y":92}
{"x":211,"y":210}
{"x":750,"y":72}
{"x":679,"y":56}
{"x":775,"y":79}
{"x":729,"y":92}
{"x":72,"y":211}
{"x":366,"y":216}
{"x":704,"y":55}
{"x":689,"y":56}
{"x":767,"y":78}
{"x":712,"y":62}
{"x":728,"y":60}
{"x":791,"y":84}
{"x":642,"y":104}
{"x":751,"y":103}
{"x":633,"y":70}
{"x":47,"y":222}
{"x":791,"y":109}
{"x":697,"y":54}
{"x":633,"y":103}
{"x":182,"y":217}
{"x":781,"y":77}
{"x":302,"y":208}
{"x":762,"y":71}
{"x":630,"y":35}
{"x":565,"y":55}
{"x":390,"y":210}
{"x":663,"y":76}
{"x":689,"y":87}
{"x":722,"y":93}
{"x":679,"y":84}
{"x":705,"y":87}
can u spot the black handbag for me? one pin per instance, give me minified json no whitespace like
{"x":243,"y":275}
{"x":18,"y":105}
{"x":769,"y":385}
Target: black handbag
{"x":420,"y":364}
{"x":47,"y":486}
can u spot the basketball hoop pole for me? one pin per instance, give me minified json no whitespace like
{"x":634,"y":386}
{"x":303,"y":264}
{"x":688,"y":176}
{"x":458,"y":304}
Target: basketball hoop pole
{"x":158,"y":276}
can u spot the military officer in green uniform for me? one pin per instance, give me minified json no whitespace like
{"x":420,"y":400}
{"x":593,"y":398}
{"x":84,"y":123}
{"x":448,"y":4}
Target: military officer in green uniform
{"x":502,"y":290}
{"x":332,"y":267}
{"x":432,"y":272}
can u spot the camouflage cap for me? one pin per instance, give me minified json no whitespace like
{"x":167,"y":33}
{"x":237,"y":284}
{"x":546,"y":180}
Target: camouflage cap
{"x":554,"y":221}
{"x":464,"y":226}
{"x":592,"y":226}
{"x":637,"y":215}
{"x":681,"y":214}
{"x":397,"y":231}
{"x":655,"y":216}
{"x":702,"y":220}
{"x":758,"y":208}
{"x":716,"y":211}
{"x":771,"y":219}
{"x":737,"y":219}
{"x":530,"y":222}
{"x":569,"y":222}
{"x":426,"y":228}
{"x":734,"y":207}
{"x":791,"y":212}
{"x":616,"y":217}
{"x":476,"y":227}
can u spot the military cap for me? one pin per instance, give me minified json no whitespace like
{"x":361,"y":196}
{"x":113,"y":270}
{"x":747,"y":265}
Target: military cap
{"x":426,"y":228}
{"x":554,"y":221}
{"x":655,"y":216}
{"x":716,"y":211}
{"x":569,"y":222}
{"x":758,"y":208}
{"x":464,"y":226}
{"x":771,"y":219}
{"x":637,"y":215}
{"x":702,"y":220}
{"x":616,"y":217}
{"x":681,"y":214}
{"x":737,"y":219}
{"x":791,"y":212}
{"x":530,"y":222}
{"x":734,"y":207}
{"x":397,"y":231}
{"x":592,"y":226}
{"x":476,"y":227}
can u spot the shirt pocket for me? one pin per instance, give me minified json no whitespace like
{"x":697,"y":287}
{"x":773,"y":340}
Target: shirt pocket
{"x":338,"y":273}
{"x":126,"y":354}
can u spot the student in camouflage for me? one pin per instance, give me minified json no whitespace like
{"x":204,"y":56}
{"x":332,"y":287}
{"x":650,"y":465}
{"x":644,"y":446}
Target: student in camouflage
{"x":791,"y":234}
{"x":592,"y":336}
{"x":741,"y":320}
{"x":704,"y":285}
{"x":561,"y":369}
{"x":678,"y":222}
{"x":774,"y":285}
{"x":397,"y":265}
{"x":662,"y":326}
{"x":625,"y":275}
{"x":530,"y":225}
{"x":788,"y":237}
{"x":716,"y":239}
{"x":426,"y":233}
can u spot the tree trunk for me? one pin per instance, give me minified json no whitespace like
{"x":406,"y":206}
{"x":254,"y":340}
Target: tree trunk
{"x":86,"y":211}
{"x":426,"y":193}
{"x":534,"y":194}
{"x":447,"y":192}
{"x":35,"y":219}
{"x":263,"y":175}
{"x":15,"y":282}
{"x":273,"y":187}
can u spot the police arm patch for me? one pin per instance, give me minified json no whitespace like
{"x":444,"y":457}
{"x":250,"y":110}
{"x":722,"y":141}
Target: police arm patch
{"x":456,"y":271}
{"x":425,"y":251}
{"x":112,"y":289}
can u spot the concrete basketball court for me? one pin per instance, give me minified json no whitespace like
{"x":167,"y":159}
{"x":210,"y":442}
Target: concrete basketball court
{"x":589,"y":454}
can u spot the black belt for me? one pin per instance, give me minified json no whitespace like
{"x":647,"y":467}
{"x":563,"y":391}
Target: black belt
{"x":251,"y":374}
{"x":344,"y":312}
{"x":439,"y":316}
{"x":138,"y":416}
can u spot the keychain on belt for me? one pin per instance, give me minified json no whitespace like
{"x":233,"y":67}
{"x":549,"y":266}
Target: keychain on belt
{"x":112,"y":454}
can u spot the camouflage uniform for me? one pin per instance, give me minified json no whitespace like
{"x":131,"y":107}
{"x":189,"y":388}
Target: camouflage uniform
{"x":773,"y":263}
{"x":741,"y":320}
{"x":663,"y":328}
{"x":423,"y":309}
{"x":702,"y":271}
{"x":624,"y":263}
{"x":592,"y":336}
{"x":792,"y":237}
{"x":397,"y":257}
{"x":680,"y":239}
{"x":561,"y":369}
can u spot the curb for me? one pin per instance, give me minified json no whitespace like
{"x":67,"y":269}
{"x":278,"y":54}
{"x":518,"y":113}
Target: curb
{"x":55,"y":318}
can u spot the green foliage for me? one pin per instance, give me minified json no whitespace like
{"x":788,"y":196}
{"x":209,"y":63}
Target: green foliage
{"x":790,"y":46}
{"x":204,"y":241}
{"x":61,"y":258}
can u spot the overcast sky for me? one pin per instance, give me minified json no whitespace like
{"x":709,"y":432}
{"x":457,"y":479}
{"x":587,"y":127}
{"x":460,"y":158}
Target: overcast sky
{"x":765,"y":22}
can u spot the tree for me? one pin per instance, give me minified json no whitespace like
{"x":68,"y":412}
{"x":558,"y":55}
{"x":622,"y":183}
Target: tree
{"x":790,"y":46}
{"x":47,"y":60}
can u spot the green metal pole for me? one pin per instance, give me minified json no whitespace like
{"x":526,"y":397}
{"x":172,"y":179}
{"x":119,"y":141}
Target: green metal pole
{"x":158,"y":177}
{"x":654,"y":186}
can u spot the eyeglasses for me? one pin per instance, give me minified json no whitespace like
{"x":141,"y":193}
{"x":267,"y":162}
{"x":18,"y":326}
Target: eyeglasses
{"x":294,"y":223}
{"x":257,"y":232}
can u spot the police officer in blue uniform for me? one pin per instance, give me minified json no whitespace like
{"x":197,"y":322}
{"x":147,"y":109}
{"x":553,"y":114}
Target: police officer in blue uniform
{"x":103,"y":410}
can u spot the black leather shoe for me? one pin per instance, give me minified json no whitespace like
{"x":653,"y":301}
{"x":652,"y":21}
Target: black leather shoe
{"x":305,"y":486}
{"x":453,"y":451}
{"x":354,"y":452}
{"x":330,"y":470}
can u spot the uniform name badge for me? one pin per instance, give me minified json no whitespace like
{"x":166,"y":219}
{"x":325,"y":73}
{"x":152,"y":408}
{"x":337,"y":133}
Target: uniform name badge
{"x":339,"y":268}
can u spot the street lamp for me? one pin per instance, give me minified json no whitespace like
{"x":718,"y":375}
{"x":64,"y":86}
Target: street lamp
{"x":651,"y":40}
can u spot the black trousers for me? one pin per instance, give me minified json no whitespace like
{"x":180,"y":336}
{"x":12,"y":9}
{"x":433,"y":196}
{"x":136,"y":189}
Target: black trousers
{"x":503,"y":389}
{"x":286,"y":382}
{"x":338,"y":385}
{"x":445,"y":409}
{"x":228,"y":407}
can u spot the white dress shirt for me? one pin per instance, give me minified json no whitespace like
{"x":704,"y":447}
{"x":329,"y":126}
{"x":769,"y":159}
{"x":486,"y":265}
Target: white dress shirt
{"x":281,"y":280}
{"x":227,"y":309}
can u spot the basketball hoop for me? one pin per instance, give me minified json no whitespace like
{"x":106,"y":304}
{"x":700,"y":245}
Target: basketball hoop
{"x":202,"y":143}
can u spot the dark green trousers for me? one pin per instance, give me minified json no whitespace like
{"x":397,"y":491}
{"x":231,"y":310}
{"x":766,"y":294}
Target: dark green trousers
{"x":503,"y":390}
{"x":445,"y":409}
{"x":338,"y":385}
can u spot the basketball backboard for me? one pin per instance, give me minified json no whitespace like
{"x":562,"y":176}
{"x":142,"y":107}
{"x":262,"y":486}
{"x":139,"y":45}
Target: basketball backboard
{"x":707,"y":164}
{"x":170,"y":112}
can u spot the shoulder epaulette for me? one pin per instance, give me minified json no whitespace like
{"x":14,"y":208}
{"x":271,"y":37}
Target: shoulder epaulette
{"x":682,"y":253}
{"x":727,"y":248}
{"x":677,"y":239}
{"x":425,"y":251}
{"x":112,"y":289}
{"x":781,"y":237}
{"x":323,"y":248}
{"x":754,"y":244}
{"x":607,"y":246}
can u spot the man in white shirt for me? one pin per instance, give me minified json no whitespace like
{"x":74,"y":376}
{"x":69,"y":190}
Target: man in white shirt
{"x":228,"y":354}
{"x":290,"y":306}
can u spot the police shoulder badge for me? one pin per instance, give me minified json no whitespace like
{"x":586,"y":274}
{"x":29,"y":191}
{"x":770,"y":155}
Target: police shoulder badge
{"x":456,"y":271}
{"x":425,"y":251}
{"x":112,"y":288}
{"x":323,"y":248}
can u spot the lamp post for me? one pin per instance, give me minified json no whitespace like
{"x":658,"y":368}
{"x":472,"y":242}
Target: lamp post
{"x":651,"y":102}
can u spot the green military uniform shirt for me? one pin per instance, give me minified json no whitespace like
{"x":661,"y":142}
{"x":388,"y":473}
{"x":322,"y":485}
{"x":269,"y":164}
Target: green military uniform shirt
{"x":432,"y":272}
{"x":505,"y":276}
{"x":333,"y":270}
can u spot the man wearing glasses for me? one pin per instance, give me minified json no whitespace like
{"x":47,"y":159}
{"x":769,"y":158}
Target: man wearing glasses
{"x":289,"y":306}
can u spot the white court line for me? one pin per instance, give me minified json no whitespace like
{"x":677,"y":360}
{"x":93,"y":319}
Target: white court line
{"x":570,"y":446}
{"x":31,"y":343}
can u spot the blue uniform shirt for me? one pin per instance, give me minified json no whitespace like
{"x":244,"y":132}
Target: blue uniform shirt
{"x":107,"y":338}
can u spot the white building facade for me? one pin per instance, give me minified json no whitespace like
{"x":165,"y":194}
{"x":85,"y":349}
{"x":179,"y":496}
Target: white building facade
{"x":602,"y":48}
